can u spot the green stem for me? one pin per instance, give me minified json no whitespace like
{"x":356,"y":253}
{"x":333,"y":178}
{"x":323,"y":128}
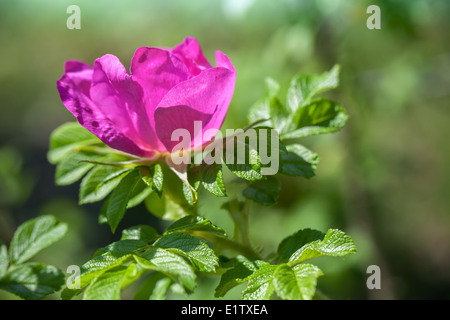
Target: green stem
{"x":243,"y":229}
{"x":239,"y":212}
{"x":227,"y":244}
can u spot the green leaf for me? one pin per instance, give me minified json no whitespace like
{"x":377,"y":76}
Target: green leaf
{"x":32,"y":281}
{"x":318,"y":117}
{"x":297,"y":283}
{"x":194,"y":224}
{"x":334,"y":244}
{"x":118,"y":200}
{"x":113,"y":255}
{"x":198,"y":252}
{"x":304,"y":87}
{"x":171,"y":205}
{"x":108,"y":285}
{"x":158,"y":178}
{"x":291,"y":244}
{"x":280,"y":118}
{"x":132,"y":274}
{"x":169,"y":263}
{"x":67,"y":138}
{"x":167,"y":207}
{"x":4,"y":259}
{"x":260,"y":111}
{"x":140,"y":192}
{"x":264,"y":109}
{"x":71,"y":168}
{"x":142,"y":232}
{"x":241,"y":155}
{"x":242,"y":268}
{"x":264,"y":192}
{"x":155,"y":287}
{"x":190,"y":189}
{"x":211,"y":177}
{"x":120,"y":248}
{"x":260,"y":283}
{"x":33,"y":236}
{"x":153,"y":177}
{"x":100,"y":182}
{"x":298,"y":161}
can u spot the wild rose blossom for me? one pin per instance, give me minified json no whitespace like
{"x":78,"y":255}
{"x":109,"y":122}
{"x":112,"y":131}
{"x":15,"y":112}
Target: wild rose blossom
{"x":167,"y":89}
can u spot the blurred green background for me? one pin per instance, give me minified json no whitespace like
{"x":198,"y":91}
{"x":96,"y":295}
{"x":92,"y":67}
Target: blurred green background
{"x":384,"y":179}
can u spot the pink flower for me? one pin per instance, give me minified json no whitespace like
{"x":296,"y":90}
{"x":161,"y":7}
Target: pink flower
{"x":166,"y":89}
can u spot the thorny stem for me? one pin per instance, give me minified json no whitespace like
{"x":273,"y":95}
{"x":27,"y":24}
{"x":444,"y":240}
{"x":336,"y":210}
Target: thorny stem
{"x":239,"y":212}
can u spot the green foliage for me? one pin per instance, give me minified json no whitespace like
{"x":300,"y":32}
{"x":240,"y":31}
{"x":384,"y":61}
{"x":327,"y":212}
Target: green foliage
{"x":264,"y":192}
{"x":142,"y":232}
{"x":67,"y":138}
{"x":118,"y":200}
{"x":298,"y":161}
{"x":31,"y":280}
{"x":192,"y":245}
{"x":304,"y":87}
{"x":100,"y":182}
{"x":293,"y":280}
{"x":195,"y":224}
{"x":319,"y":116}
{"x":297,"y":283}
{"x":109,"y":284}
{"x":302,"y":115}
{"x":249,"y":168}
{"x":239,"y":271}
{"x":155,"y":287}
{"x":211,"y":177}
{"x":200,"y":255}
{"x":33,"y":236}
{"x":335,"y":243}
{"x":4,"y":259}
{"x":260,"y":283}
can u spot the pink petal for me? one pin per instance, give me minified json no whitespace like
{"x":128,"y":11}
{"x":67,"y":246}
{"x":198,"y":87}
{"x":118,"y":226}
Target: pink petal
{"x":209,"y":93}
{"x":191,"y":54}
{"x":74,"y":87}
{"x":157,"y":71}
{"x":120,"y":98}
{"x":223,"y":61}
{"x":74,"y":66}
{"x":169,"y":119}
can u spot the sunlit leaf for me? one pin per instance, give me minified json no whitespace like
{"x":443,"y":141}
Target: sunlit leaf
{"x":241,"y":269}
{"x":335,"y":243}
{"x":141,"y":232}
{"x":32,"y":281}
{"x":297,"y":283}
{"x":104,"y":259}
{"x":318,"y":117}
{"x":304,"y":87}
{"x":193,"y":224}
{"x":260,"y":283}
{"x":34,"y":235}
{"x":198,"y":252}
{"x":169,"y":263}
{"x":68,"y":137}
{"x":100,"y":182}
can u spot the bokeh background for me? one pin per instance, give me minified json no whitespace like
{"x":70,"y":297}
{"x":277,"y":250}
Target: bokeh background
{"x":384,"y":179}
